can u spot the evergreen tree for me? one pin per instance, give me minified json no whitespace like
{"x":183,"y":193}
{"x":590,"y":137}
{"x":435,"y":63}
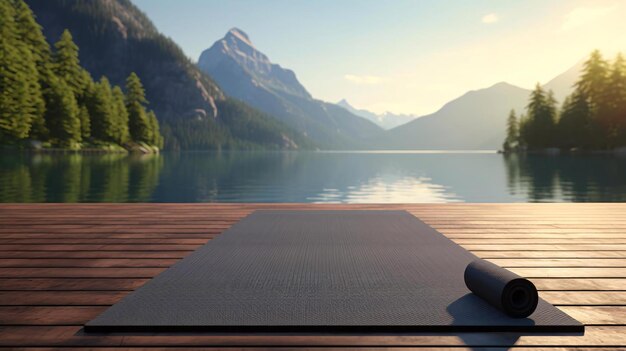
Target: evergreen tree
{"x":62,"y":114}
{"x":86,"y":106}
{"x":31,"y":35}
{"x":512,"y":132}
{"x":156,"y":137}
{"x":102,"y":111}
{"x":85,"y":122}
{"x":121,"y":134}
{"x":139,"y":124}
{"x":614,"y":119}
{"x":541,"y":117}
{"x":67,"y":65}
{"x":593,"y":80}
{"x":575,"y":123}
{"x":19,"y":92}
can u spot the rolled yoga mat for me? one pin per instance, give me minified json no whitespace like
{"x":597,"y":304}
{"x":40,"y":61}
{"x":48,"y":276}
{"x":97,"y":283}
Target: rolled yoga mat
{"x":501,"y":288}
{"x":321,"y":271}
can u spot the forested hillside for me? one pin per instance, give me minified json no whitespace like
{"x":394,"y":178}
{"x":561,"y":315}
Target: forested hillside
{"x":46,"y":96}
{"x":116,"y":39}
{"x":593,"y":117}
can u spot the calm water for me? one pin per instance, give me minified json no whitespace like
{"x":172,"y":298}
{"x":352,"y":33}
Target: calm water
{"x":311,"y":177}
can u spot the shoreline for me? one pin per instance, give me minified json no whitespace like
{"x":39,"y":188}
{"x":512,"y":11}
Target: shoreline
{"x":557,"y":152}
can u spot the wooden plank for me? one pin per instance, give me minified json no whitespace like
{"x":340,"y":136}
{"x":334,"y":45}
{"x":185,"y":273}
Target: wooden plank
{"x":549,"y":272}
{"x":88,"y":235}
{"x":93,"y":254}
{"x":94,"y":241}
{"x":534,"y":241}
{"x":138,"y":247}
{"x":57,"y":315}
{"x":587,"y":298}
{"x":549,"y":254}
{"x":87,"y":262}
{"x":70,"y":284}
{"x":79,"y":272}
{"x":544,"y":247}
{"x":597,"y":315}
{"x":60,"y":298}
{"x":559,"y":262}
{"x":575,"y":284}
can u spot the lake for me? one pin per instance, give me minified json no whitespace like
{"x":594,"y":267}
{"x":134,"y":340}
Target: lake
{"x":320,"y":177}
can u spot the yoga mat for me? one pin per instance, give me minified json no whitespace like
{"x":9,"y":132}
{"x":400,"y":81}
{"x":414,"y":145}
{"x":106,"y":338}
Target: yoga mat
{"x":513,"y":295}
{"x":321,"y":271}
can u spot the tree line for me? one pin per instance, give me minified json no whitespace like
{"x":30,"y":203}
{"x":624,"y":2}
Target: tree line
{"x":592,"y":117}
{"x":46,"y":95}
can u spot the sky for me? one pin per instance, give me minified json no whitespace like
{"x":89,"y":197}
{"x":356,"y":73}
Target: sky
{"x":403,"y":56}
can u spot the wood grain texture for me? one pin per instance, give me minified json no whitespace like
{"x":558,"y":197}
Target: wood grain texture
{"x":62,"y":264}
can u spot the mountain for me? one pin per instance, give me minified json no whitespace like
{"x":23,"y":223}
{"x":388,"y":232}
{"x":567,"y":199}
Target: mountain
{"x":474,"y":121}
{"x":115,"y":38}
{"x":563,"y":84}
{"x":385,"y":120}
{"x":247,"y":74}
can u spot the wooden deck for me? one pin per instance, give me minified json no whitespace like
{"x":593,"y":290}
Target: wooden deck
{"x":63,"y":264}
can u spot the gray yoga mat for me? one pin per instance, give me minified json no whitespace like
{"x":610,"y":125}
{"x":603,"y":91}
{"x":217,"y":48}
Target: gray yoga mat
{"x":321,"y":271}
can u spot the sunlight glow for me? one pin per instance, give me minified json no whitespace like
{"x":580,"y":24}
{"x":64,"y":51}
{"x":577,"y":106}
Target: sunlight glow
{"x":581,"y":16}
{"x":363,"y":79}
{"x":490,"y":18}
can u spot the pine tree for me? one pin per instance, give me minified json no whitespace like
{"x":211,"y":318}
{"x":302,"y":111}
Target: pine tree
{"x":156,"y":137}
{"x":593,"y":80}
{"x":593,"y":84}
{"x":62,"y":114}
{"x":539,"y":127}
{"x":85,"y":122}
{"x":102,"y":111}
{"x":121,"y":116}
{"x":575,"y":123}
{"x":86,"y":107}
{"x":19,"y":92}
{"x":614,"y":119}
{"x":139,"y":125}
{"x":32,"y":36}
{"x":512,"y":132}
{"x":67,"y":65}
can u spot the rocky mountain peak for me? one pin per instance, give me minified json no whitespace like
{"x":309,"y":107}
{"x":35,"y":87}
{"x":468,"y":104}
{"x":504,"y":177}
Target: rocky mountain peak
{"x":237,"y":35}
{"x":236,"y":48}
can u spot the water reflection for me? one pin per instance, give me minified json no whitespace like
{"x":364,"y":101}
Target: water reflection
{"x":570,"y":178}
{"x":310,"y":177}
{"x":78,"y":178}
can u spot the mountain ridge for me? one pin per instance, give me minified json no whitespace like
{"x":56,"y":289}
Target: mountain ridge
{"x":461,"y":124}
{"x":481,"y":129}
{"x":247,"y":74}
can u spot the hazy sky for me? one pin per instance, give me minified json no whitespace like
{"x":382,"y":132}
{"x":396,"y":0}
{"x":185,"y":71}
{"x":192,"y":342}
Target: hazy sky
{"x":405,"y":56}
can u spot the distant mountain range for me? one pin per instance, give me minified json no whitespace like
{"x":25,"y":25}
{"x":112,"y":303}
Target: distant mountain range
{"x":236,"y":97}
{"x":385,"y":120}
{"x":474,"y":121}
{"x":245,"y":73}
